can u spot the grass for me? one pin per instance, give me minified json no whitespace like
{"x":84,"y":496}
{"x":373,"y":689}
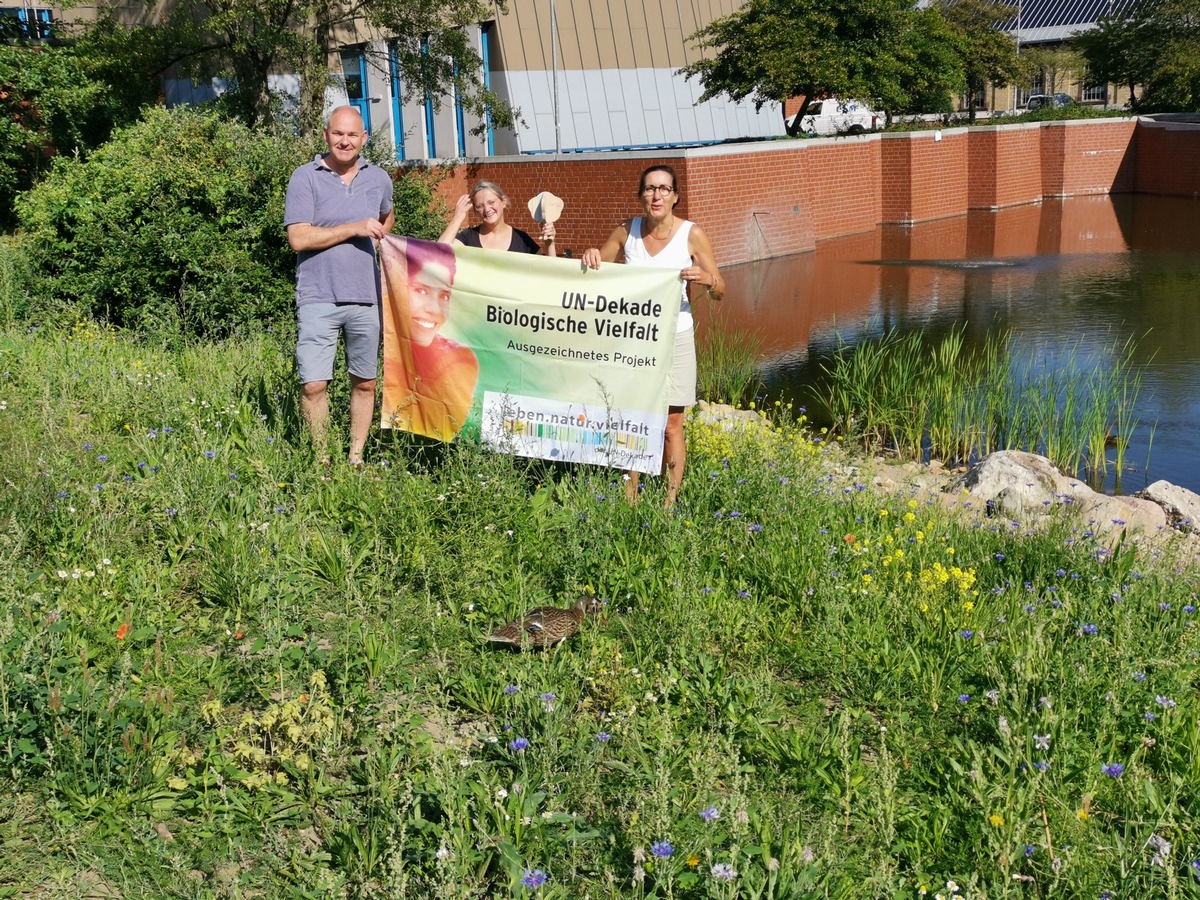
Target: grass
{"x":940,"y":401}
{"x":727,"y":369}
{"x":227,"y":672}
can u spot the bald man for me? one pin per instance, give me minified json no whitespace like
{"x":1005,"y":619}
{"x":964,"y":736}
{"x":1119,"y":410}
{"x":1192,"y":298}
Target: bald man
{"x":337,"y":207}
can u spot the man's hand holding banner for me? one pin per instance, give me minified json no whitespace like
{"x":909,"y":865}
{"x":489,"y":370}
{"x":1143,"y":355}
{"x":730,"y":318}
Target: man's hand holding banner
{"x":537,"y":356}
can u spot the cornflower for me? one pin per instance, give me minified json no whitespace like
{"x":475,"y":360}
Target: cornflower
{"x":724,"y":872}
{"x":534,"y":878}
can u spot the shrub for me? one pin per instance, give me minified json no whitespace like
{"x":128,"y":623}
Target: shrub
{"x":175,"y":223}
{"x":65,"y":100}
{"x":420,"y":212}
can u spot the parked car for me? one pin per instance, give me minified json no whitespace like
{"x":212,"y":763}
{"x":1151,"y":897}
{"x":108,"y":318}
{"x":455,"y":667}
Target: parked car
{"x":1043,"y":101}
{"x":834,"y":116}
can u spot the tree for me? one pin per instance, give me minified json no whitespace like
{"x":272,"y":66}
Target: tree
{"x":771,"y":51}
{"x":1118,"y":50}
{"x":60,"y":99}
{"x":1152,"y":43}
{"x":247,"y":40}
{"x":1048,"y":66}
{"x":926,"y":67}
{"x":986,"y":54}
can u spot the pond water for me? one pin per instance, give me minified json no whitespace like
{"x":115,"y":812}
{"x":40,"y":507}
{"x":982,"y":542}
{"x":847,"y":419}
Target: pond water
{"x":1081,"y":273}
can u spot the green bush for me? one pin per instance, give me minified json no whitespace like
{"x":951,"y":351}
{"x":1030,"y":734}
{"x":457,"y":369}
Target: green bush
{"x":175,"y":224}
{"x":67,"y":99}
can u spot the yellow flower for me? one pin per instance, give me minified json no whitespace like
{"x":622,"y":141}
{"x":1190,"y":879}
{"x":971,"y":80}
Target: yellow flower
{"x":1083,"y":815}
{"x":693,"y":860}
{"x":883,"y":514}
{"x":996,"y":820}
{"x":969,"y":605}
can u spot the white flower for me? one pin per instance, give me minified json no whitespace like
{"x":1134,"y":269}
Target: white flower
{"x":501,"y":794}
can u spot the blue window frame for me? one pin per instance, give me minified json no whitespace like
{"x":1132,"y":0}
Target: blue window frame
{"x":32,"y":24}
{"x":354,"y":71}
{"x":397,"y":103}
{"x":487,"y":34}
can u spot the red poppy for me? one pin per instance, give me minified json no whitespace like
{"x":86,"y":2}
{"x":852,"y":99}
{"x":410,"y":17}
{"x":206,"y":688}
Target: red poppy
{"x":123,"y":631}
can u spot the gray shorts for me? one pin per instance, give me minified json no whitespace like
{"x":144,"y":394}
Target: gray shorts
{"x":318,"y":325}
{"x":683,"y":370}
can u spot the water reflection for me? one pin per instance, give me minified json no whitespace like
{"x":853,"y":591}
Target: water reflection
{"x":1079,"y":274}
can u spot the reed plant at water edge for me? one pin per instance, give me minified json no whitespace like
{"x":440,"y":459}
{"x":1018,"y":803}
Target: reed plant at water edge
{"x":944,"y":401}
{"x":727,"y":366}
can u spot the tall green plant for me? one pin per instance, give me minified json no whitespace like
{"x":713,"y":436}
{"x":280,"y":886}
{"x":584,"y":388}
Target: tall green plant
{"x":14,"y":282}
{"x":727,"y":368}
{"x":896,"y":394}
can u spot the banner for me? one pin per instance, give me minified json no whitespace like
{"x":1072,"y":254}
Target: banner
{"x":535,"y":356}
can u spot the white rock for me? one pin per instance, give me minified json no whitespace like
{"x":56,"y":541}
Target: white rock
{"x":1020,"y":484}
{"x":1181,"y":505}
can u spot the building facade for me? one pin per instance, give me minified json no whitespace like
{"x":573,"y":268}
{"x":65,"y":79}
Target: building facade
{"x":583,"y":75}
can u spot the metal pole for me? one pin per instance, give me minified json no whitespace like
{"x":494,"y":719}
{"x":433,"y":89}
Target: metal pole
{"x":1017,"y":90}
{"x":554,"y":75}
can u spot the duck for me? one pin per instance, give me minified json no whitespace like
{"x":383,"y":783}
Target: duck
{"x":546,"y":626}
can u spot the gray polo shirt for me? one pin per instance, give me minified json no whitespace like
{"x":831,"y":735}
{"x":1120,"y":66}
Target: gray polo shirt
{"x":316,"y":195}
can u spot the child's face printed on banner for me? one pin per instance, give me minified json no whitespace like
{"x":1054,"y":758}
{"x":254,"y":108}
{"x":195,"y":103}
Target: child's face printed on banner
{"x":428,"y":301}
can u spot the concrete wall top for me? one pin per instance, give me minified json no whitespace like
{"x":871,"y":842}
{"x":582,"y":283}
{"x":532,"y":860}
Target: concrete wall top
{"x":929,"y":134}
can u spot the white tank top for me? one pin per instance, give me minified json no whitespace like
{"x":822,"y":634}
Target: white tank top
{"x":673,"y":256}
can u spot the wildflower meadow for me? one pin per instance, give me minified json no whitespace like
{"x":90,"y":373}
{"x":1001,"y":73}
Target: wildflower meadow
{"x":227,"y":671}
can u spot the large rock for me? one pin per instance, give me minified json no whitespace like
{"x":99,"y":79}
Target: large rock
{"x":1181,"y":505}
{"x":1019,"y":484}
{"x":1132,"y":514}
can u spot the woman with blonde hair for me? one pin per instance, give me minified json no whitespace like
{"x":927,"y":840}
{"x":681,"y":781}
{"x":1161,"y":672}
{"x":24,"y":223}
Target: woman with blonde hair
{"x":490,"y":202}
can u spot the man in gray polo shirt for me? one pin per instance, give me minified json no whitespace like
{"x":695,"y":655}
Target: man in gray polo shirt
{"x":337,"y":207}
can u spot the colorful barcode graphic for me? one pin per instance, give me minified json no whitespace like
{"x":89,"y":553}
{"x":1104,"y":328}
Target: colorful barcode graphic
{"x":580,"y":437}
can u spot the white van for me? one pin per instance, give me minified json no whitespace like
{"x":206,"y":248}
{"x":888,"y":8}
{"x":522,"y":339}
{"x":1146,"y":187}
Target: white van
{"x":834,"y":116}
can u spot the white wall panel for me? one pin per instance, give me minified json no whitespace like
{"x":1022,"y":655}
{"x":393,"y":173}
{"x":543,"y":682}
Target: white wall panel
{"x":626,"y":108}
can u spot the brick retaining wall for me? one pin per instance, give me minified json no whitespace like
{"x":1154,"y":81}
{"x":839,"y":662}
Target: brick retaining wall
{"x":766,"y":199}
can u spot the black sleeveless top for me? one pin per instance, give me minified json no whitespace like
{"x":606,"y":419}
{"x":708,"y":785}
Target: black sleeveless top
{"x":520,"y":243}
